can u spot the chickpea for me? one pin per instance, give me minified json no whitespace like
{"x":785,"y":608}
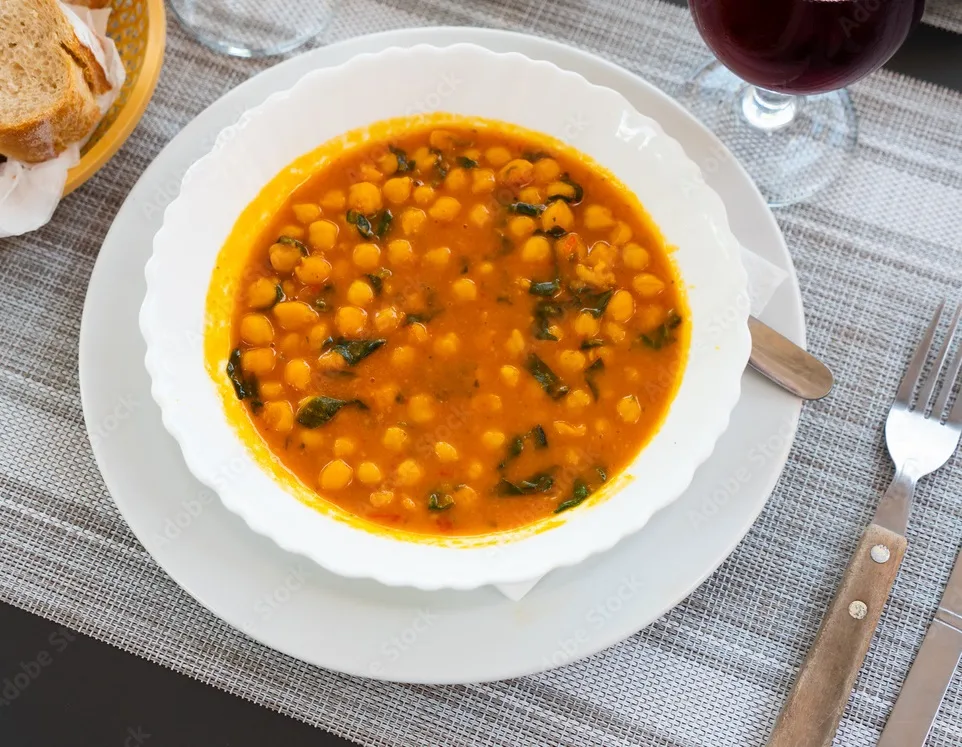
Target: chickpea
{"x":532,"y":195}
{"x":445,"y":209}
{"x":634,"y":256}
{"x":521,"y":226}
{"x":577,"y":399}
{"x":629,"y":409}
{"x":397,"y":190}
{"x":441,"y":140}
{"x":492,"y":440}
{"x":317,"y":335}
{"x":256,"y":329}
{"x":421,"y":408}
{"x":367,"y":256}
{"x":597,"y":217}
{"x":322,"y":235}
{"x":620,"y":234}
{"x":350,"y":320}
{"x":497,"y":155}
{"x":381,"y":498}
{"x":297,"y":373}
{"x":424,"y":194}
{"x":262,"y":293}
{"x":615,"y":332}
{"x":475,"y":469}
{"x":284,"y":257}
{"x":394,"y":438}
{"x":571,"y":360}
{"x":344,"y":446}
{"x":400,"y":252}
{"x":388,"y":163}
{"x":306,"y":212}
{"x":586,"y":325}
{"x":483,"y":181}
{"x":561,"y":189}
{"x":257,"y":360}
{"x":447,"y":345}
{"x":621,"y":306}
{"x":360,"y":293}
{"x":294,"y":314}
{"x":515,"y":343}
{"x":647,"y":285}
{"x":438,"y":257}
{"x":563,"y":428}
{"x":278,"y":416}
{"x":334,"y":200}
{"x":456,"y":180}
{"x":546,"y":170}
{"x":387,"y":320}
{"x":464,"y":289}
{"x":411,"y":220}
{"x":445,"y":452}
{"x":364,"y":197}
{"x":536,"y":249}
{"x":369,"y":473}
{"x":403,"y":356}
{"x":557,"y":214}
{"x":409,"y":473}
{"x":335,"y":475}
{"x":479,"y":215}
{"x":313,"y":270}
{"x":418,"y":332}
{"x":517,"y":173}
{"x":510,"y":375}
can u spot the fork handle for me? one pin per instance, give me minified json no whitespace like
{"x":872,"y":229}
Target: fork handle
{"x":815,"y":705}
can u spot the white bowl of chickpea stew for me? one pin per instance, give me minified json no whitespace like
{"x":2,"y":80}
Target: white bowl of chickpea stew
{"x":450,"y":335}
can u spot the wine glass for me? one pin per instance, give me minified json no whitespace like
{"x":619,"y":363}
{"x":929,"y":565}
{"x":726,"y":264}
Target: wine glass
{"x":253,"y":28}
{"x":776,"y":94}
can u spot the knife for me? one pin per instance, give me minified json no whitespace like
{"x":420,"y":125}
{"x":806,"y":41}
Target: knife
{"x":785,"y":363}
{"x":930,"y":675}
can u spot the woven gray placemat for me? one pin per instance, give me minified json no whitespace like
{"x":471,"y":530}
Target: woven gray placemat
{"x":946,"y":14}
{"x":873,"y":255}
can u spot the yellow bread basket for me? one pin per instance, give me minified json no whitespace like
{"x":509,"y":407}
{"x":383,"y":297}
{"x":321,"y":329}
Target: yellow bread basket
{"x":139,"y":29}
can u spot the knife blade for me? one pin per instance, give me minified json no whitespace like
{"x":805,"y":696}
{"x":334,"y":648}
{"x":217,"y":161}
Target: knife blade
{"x":928,"y":679}
{"x":785,"y":363}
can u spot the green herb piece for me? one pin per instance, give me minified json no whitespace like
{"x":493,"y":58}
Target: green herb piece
{"x":592,"y":342}
{"x":320,"y":410}
{"x":594,"y":303}
{"x":384,"y":224}
{"x":507,"y":245}
{"x":602,"y":474}
{"x":579,"y":493}
{"x":377,"y":279}
{"x":535,"y":155}
{"x":290,"y":241}
{"x":422,"y":317}
{"x":663,"y":334}
{"x":526,"y":208}
{"x":439,"y":165}
{"x":354,"y":351}
{"x":361,"y":223}
{"x":245,"y":386}
{"x":467,"y":163}
{"x":578,"y":195}
{"x":544,"y":312}
{"x":278,"y":294}
{"x":549,"y":381}
{"x":545,"y":288}
{"x":335,"y":374}
{"x":590,"y":373}
{"x":321,"y":303}
{"x":439,"y":501}
{"x":403,"y":164}
{"x":539,"y":483}
{"x":555,"y":232}
{"x":539,"y":437}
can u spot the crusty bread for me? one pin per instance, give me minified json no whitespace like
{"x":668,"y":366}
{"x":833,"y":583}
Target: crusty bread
{"x":49,"y":82}
{"x":91,"y":3}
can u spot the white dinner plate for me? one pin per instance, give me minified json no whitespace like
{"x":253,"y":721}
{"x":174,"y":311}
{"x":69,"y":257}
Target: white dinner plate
{"x":361,"y":627}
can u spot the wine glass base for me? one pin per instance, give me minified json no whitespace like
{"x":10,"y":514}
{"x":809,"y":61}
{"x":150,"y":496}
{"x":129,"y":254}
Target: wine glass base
{"x":791,"y":154}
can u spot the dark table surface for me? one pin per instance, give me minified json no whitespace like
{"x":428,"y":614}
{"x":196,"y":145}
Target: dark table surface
{"x":67,"y":690}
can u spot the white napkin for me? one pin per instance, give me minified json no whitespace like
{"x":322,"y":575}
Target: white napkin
{"x":29,"y":193}
{"x":763,"y":280}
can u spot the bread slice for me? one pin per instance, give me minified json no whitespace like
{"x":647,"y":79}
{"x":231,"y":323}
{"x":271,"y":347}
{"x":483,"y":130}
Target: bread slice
{"x":91,"y":3}
{"x":49,"y":82}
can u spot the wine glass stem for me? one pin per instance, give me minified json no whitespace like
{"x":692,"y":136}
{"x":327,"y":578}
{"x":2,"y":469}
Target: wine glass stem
{"x":768,"y":110}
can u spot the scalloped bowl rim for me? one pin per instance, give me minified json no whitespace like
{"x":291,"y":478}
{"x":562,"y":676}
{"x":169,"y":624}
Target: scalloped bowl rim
{"x":720,"y":335}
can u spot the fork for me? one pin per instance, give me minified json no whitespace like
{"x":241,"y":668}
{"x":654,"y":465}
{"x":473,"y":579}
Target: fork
{"x":922,"y":433}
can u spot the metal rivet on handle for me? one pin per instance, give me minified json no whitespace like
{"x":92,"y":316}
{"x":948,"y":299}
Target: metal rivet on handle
{"x":880,"y":554}
{"x":858,"y":609}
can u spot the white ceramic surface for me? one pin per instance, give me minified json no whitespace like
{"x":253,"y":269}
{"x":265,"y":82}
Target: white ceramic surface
{"x":465,"y":80}
{"x":353,"y":626}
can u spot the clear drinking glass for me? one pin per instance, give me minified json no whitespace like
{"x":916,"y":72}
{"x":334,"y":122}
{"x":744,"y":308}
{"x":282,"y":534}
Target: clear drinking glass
{"x":776,"y":94}
{"x":253,"y":28}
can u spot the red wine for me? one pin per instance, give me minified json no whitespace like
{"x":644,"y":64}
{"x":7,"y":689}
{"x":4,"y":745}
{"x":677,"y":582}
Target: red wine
{"x":804,"y":46}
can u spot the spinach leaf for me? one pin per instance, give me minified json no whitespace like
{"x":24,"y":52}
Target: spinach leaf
{"x":439,"y":501}
{"x":578,"y":192}
{"x":290,"y":241}
{"x":278,"y":294}
{"x":507,"y":245}
{"x":384,"y":224}
{"x":549,"y":381}
{"x":544,"y":312}
{"x":555,"y":232}
{"x":541,"y":482}
{"x":663,"y":334}
{"x":526,"y":208}
{"x":335,"y":374}
{"x":535,"y":155}
{"x":592,"y":342}
{"x":593,"y":370}
{"x":467,"y":163}
{"x":516,"y":444}
{"x":579,"y":493}
{"x":592,"y":302}
{"x":602,"y":474}
{"x":439,"y":165}
{"x":539,"y":437}
{"x":320,"y":410}
{"x":422,"y":317}
{"x":245,"y":385}
{"x":403,"y":164}
{"x":362,"y":224}
{"x":545,"y":288}
{"x":354,"y":351}
{"x":377,"y":279}
{"x":321,"y":303}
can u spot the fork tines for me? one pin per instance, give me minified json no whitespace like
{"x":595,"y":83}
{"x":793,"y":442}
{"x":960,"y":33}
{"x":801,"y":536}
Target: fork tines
{"x":914,"y":375}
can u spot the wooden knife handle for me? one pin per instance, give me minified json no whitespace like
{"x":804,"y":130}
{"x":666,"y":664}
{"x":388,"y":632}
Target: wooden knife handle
{"x":815,"y":705}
